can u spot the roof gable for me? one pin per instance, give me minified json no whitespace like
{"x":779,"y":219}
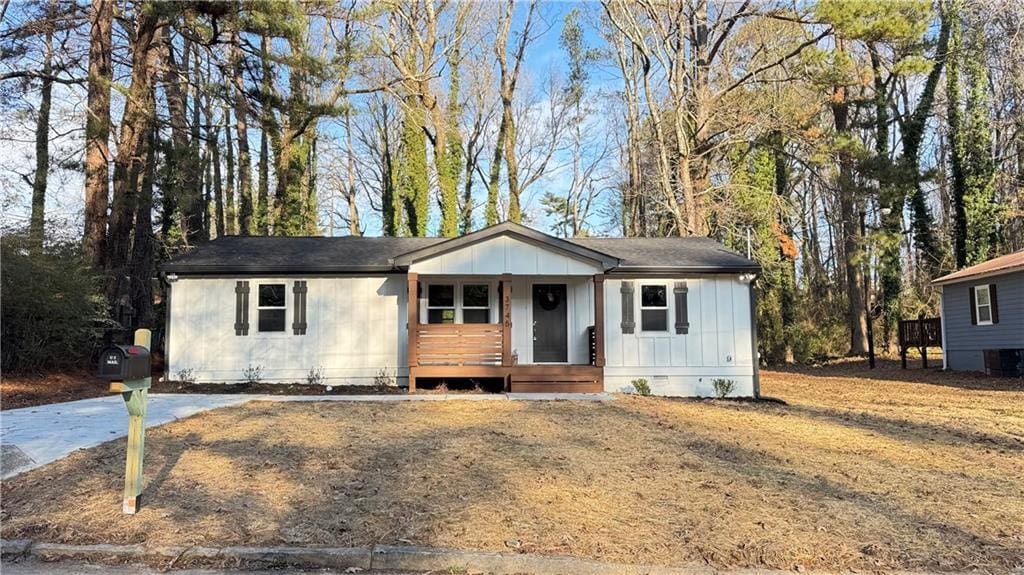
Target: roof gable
{"x":511,"y":230}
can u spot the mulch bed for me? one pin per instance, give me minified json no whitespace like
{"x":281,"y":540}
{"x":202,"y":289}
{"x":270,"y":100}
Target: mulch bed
{"x":18,"y":391}
{"x":851,"y":473}
{"x":30,"y":390}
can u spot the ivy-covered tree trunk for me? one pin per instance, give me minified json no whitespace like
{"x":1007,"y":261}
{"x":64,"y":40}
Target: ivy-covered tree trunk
{"x":391,"y":199}
{"x":982,"y":214}
{"x":448,"y":151}
{"x":413,"y":180}
{"x":958,"y":184}
{"x":913,"y":129}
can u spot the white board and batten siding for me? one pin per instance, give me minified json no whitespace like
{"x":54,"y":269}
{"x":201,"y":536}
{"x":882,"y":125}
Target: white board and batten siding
{"x":356,"y":328}
{"x":718,"y":344}
{"x":505,"y":255}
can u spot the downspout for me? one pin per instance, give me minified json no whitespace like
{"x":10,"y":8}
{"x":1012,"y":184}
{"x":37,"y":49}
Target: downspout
{"x":753,"y":338}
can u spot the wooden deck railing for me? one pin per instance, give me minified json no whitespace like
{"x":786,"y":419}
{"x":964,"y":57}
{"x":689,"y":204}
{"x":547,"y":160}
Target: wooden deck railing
{"x":458,"y":344}
{"x":920,"y":333}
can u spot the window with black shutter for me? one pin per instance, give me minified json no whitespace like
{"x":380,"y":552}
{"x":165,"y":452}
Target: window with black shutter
{"x":654,"y":307}
{"x":271,"y":307}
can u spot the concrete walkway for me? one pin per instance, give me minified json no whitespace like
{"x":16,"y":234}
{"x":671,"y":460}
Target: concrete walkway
{"x":34,"y":436}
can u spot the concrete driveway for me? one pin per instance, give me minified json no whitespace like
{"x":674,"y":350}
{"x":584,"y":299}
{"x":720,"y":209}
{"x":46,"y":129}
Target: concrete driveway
{"x":34,"y":436}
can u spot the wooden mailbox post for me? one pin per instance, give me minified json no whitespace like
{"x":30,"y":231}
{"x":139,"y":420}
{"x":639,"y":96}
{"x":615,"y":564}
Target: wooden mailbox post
{"x":135,"y":393}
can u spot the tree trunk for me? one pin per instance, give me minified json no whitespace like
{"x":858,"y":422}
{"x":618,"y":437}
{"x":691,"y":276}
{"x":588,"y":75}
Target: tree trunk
{"x":36,"y":231}
{"x":850,"y":226}
{"x":262,"y":202}
{"x":230,"y":221}
{"x":133,"y":143}
{"x":351,"y":199}
{"x":184,"y":166}
{"x":241,"y":120}
{"x":213,"y":137}
{"x":143,"y":268}
{"x":97,"y":133}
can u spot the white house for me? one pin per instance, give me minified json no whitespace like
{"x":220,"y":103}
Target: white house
{"x":540,"y":313}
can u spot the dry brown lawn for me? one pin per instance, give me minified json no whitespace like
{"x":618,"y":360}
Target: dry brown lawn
{"x":854,"y":473}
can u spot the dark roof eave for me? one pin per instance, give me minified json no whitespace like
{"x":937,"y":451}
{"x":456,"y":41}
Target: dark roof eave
{"x":219,"y":269}
{"x":655,"y":270}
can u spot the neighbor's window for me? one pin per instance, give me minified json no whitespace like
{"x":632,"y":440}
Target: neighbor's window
{"x":983,"y":305}
{"x":476,"y":303}
{"x":271,"y":307}
{"x":441,"y":303}
{"x":653,"y":308}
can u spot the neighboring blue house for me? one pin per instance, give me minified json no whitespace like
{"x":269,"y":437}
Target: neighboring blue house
{"x":983,"y":316}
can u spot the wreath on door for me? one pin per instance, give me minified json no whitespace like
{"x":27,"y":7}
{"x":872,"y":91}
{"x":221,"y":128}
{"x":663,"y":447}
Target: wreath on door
{"x":550,"y":300}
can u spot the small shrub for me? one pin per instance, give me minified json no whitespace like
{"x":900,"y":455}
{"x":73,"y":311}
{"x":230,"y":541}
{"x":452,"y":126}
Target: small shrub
{"x":383,"y":380}
{"x":253,"y":374}
{"x":315,"y":376}
{"x":641,"y":387}
{"x":187,"y":375}
{"x":723,"y":387}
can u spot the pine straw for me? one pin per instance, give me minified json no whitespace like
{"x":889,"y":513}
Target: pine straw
{"x":27,"y":390}
{"x":852,"y":474}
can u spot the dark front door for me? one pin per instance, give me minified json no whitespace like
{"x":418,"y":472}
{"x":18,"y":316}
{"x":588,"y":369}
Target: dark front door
{"x":550,"y":337}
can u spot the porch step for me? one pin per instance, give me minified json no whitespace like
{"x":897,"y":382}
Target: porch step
{"x":556,"y":383}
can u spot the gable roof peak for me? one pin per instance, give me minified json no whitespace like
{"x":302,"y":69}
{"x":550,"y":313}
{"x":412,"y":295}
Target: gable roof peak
{"x":511,"y":229}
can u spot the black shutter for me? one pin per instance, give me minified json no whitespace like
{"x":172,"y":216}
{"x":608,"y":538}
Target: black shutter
{"x":993,"y":302}
{"x":628,"y":322}
{"x":299,"y":313}
{"x":682,"y":313}
{"x":974,"y":309}
{"x":242,"y":308}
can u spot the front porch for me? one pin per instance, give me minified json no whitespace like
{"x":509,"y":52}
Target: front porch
{"x":442,"y":345}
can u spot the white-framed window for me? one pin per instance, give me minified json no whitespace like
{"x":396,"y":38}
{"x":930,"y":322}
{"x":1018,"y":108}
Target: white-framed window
{"x":441,"y":303}
{"x":983,"y":304}
{"x":653,"y":307}
{"x":476,"y":303}
{"x":460,"y":302}
{"x":271,"y":307}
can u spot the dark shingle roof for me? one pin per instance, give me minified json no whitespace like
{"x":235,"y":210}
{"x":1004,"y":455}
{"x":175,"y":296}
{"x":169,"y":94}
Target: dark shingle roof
{"x":689,"y":254}
{"x":235,"y":254}
{"x":249,"y":255}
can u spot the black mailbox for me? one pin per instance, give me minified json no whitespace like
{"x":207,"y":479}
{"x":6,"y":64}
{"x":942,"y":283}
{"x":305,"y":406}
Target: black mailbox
{"x":124,"y":362}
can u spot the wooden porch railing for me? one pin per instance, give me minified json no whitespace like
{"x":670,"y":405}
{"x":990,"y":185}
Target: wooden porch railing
{"x":459,"y":344}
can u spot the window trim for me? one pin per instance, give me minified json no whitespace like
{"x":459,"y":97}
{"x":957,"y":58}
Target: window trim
{"x":978,"y":305}
{"x":284,"y":325}
{"x":462,"y":301}
{"x":493,"y":303}
{"x":454,"y":307}
{"x":666,"y":308}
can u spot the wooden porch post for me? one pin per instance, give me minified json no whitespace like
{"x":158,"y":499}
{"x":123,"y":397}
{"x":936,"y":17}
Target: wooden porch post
{"x":599,"y":320}
{"x":506,"y":320}
{"x":412,"y":306}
